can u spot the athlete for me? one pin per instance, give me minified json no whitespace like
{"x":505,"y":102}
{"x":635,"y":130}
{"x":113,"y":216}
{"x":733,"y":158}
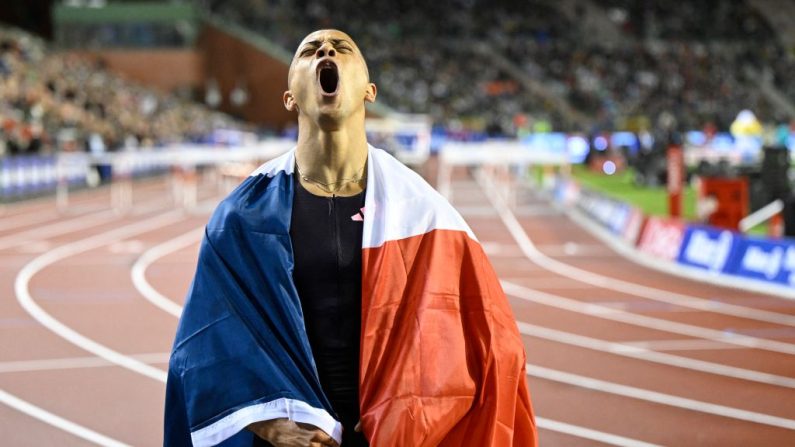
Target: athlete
{"x":340,"y":300}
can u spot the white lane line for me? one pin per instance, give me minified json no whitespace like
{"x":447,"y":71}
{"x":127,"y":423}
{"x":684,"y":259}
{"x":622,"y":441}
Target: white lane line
{"x":41,"y":214}
{"x":641,"y":353}
{"x":550,"y":282}
{"x":659,"y":398}
{"x":679,"y":345}
{"x":57,"y":421}
{"x":578,"y":274}
{"x":11,"y":222}
{"x":67,"y":226}
{"x":22,"y":288}
{"x":608,"y":313}
{"x":75,"y":363}
{"x":138,"y":272}
{"x":587,"y":433}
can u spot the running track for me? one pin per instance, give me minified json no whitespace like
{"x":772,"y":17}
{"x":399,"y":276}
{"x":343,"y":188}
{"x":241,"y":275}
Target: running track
{"x":617,"y":354}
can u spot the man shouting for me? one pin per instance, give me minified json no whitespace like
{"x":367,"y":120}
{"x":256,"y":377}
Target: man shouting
{"x":340,"y":300}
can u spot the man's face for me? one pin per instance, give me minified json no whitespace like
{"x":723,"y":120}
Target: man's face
{"x":328,"y":79}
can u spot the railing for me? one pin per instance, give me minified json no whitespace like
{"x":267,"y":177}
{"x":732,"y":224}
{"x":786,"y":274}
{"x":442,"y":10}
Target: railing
{"x":770,"y":212}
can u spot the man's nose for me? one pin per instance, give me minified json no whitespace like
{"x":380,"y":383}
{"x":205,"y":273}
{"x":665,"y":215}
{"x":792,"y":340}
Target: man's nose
{"x":324,"y":50}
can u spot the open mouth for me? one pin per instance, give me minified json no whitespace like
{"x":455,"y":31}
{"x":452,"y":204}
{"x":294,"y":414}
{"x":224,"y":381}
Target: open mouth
{"x":328,"y":77}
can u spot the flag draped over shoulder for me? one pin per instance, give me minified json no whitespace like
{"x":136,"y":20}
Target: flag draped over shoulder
{"x":442,"y":362}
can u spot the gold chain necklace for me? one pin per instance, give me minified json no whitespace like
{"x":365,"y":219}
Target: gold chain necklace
{"x":327,"y":186}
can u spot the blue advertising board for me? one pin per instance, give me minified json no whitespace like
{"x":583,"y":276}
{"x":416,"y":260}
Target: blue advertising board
{"x":708,"y":248}
{"x":764,"y":259}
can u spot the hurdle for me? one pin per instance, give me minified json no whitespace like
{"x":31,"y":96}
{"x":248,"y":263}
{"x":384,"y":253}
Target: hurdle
{"x":505,"y":161}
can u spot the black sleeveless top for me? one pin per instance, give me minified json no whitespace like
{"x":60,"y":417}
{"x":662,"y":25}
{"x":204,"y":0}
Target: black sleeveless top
{"x":327,"y":248}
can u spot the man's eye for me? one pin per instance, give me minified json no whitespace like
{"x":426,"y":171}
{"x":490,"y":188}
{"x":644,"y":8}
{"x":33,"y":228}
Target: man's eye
{"x":344,"y":50}
{"x":307,"y":52}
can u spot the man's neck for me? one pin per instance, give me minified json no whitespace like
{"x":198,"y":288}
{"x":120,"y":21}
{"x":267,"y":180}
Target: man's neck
{"x":332,"y":156}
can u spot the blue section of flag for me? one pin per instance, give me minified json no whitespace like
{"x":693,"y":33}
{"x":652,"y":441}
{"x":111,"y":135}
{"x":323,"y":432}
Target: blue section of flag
{"x":241,"y":339}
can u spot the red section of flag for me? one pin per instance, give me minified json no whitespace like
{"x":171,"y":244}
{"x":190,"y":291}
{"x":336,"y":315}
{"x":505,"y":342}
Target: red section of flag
{"x":442,"y":360}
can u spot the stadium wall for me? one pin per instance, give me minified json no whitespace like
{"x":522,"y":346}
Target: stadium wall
{"x":230,"y":60}
{"x":164,"y":69}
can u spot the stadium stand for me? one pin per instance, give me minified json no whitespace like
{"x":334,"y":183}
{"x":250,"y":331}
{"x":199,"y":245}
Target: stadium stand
{"x":51,"y":102}
{"x":669,"y":61}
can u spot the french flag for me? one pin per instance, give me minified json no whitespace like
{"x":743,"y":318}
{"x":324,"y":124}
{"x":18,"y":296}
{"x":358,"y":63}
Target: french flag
{"x":441,"y":360}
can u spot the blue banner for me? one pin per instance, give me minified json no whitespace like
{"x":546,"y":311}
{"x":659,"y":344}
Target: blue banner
{"x":707,"y":248}
{"x":765,"y":260}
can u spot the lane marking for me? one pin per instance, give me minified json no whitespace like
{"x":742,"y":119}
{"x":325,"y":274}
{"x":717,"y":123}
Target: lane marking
{"x":587,"y":433}
{"x":11,"y":222}
{"x":534,"y":255}
{"x":22,"y":289}
{"x":536,"y":211}
{"x":57,"y":421}
{"x":75,"y":224}
{"x":680,"y":345}
{"x":75,"y":363}
{"x":550,"y":282}
{"x":138,"y":271}
{"x":659,"y":398}
{"x":643,"y":353}
{"x":39,"y":214}
{"x":608,"y":313}
{"x":134,"y":363}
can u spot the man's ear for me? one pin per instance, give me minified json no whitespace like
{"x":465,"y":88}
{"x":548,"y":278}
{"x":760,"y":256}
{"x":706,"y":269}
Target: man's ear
{"x":289,"y":101}
{"x":370,"y":93}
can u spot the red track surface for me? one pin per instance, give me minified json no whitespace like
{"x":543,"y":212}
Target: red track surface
{"x":670,"y":369}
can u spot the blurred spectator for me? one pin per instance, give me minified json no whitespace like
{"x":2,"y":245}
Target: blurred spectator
{"x":699,"y":61}
{"x":52,"y":102}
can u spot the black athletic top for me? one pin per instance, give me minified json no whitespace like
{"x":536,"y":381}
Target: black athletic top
{"x":327,"y":247}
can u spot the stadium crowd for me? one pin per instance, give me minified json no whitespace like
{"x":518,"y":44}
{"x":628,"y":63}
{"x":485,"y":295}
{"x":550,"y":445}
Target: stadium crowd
{"x":700,"y":62}
{"x":697,"y":61}
{"x":50,"y":102}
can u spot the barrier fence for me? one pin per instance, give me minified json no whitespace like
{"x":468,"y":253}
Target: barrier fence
{"x":23,"y":177}
{"x":715,"y":251}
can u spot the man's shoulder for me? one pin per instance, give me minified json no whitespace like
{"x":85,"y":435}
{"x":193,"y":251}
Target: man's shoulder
{"x":255,"y":202}
{"x":398,"y":179}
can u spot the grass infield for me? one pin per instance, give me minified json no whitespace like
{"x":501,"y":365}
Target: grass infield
{"x":652,"y":201}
